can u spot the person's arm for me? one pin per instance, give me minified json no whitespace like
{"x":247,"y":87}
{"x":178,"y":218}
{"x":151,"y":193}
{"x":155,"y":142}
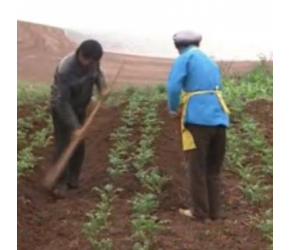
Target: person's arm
{"x":100,"y":81}
{"x":63,"y":105}
{"x":176,"y":78}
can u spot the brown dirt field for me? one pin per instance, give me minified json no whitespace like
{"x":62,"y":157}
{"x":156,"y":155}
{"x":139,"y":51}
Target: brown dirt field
{"x":47,"y":224}
{"x":39,"y":48}
{"x":230,"y":233}
{"x":262,"y":112}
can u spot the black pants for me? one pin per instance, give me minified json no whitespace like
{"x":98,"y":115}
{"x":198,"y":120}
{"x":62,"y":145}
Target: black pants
{"x":204,"y":166}
{"x":62,"y":136}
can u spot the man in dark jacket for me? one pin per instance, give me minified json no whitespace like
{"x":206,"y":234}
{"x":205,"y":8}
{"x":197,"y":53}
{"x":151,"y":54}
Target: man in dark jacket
{"x":72,"y":90}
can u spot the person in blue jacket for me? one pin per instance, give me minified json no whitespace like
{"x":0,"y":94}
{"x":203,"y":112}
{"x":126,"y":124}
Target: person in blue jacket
{"x":195,"y":83}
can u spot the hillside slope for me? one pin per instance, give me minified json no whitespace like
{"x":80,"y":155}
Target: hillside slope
{"x":40,"y":47}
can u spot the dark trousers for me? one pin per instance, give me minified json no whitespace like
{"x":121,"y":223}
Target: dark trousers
{"x":62,"y":136}
{"x":204,"y":166}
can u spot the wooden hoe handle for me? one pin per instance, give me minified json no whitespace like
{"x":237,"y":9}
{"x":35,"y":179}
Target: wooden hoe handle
{"x":57,"y":169}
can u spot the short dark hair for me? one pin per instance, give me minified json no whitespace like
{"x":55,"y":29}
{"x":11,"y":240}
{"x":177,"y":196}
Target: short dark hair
{"x":91,"y":49}
{"x":185,"y":44}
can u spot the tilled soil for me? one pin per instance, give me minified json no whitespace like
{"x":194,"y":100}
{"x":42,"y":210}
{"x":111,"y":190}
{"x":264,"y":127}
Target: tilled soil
{"x":48,"y":224}
{"x":232,"y":232}
{"x":262,"y":112}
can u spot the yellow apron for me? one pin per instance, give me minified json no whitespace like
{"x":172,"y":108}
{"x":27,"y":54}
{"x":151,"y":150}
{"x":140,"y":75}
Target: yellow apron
{"x":187,"y":139}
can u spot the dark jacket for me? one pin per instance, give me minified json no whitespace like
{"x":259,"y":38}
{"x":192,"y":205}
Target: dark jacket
{"x":72,"y":89}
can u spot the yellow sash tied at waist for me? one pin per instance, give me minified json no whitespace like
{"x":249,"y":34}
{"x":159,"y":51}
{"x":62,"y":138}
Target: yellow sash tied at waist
{"x":187,"y":139}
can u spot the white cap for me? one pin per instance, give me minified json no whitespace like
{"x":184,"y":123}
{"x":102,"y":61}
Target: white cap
{"x":187,"y":36}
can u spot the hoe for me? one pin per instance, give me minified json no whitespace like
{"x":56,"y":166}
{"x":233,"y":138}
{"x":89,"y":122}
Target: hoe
{"x":54,"y":172}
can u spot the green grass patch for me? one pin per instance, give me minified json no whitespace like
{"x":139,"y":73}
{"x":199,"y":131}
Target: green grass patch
{"x":32,"y":93}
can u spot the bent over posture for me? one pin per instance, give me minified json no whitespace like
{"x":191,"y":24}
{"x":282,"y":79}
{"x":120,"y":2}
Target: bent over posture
{"x":72,"y":90}
{"x":195,"y":82}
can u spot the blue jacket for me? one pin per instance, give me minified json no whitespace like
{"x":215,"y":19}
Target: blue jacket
{"x":192,"y":71}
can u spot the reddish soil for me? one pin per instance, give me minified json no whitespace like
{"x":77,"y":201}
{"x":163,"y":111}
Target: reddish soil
{"x":233,"y":232}
{"x":47,"y":224}
{"x":262,"y":112}
{"x":39,"y":48}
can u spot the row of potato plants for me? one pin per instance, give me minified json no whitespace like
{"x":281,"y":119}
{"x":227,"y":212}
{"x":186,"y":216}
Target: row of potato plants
{"x":145,"y":225}
{"x":249,"y":153}
{"x":119,"y":163}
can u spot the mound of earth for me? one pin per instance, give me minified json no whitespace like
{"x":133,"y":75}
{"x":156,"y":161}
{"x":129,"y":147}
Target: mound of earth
{"x":40,"y":47}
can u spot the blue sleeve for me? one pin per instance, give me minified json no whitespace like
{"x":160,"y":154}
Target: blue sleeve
{"x":175,"y":81}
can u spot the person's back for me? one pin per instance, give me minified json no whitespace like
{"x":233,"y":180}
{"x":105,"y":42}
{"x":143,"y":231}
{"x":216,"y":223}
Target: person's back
{"x":195,"y":83}
{"x":203,"y":75}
